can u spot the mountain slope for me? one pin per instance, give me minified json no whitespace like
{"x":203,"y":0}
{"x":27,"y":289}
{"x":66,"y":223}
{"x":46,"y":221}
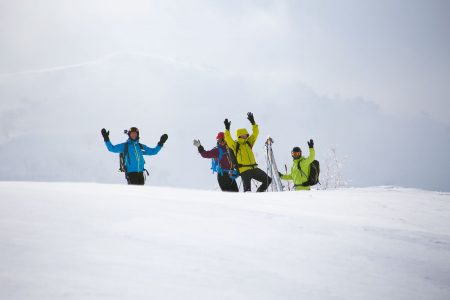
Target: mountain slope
{"x":97,"y":241}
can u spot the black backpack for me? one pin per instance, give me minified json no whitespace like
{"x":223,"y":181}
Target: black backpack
{"x":122,"y":164}
{"x":314,"y":171}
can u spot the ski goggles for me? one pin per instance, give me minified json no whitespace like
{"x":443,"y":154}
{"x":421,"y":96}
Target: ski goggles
{"x":220,"y":140}
{"x":296,"y":153}
{"x":244,"y":136}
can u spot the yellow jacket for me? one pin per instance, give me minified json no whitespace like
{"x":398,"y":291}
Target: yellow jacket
{"x":245,"y":157}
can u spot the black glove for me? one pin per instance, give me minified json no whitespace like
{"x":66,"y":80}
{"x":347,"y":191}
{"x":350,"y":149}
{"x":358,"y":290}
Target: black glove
{"x":280,"y":174}
{"x":163,"y":139}
{"x":227,"y":124}
{"x":311,"y":144}
{"x":105,"y":135}
{"x":251,"y":118}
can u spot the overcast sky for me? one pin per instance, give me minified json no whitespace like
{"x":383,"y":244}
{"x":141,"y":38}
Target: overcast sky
{"x":394,"y":53}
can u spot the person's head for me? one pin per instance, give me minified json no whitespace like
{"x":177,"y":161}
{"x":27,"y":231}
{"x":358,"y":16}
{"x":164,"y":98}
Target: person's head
{"x":296,"y":152}
{"x":220,"y":138}
{"x":242,"y":134}
{"x":133,"y":133}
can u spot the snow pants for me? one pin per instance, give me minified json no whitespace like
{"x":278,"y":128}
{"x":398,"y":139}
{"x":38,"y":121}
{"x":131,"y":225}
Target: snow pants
{"x":258,"y":175}
{"x":226,"y":183}
{"x":135,"y":178}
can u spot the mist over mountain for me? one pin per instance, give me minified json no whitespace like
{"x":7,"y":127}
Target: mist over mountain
{"x":51,"y":119}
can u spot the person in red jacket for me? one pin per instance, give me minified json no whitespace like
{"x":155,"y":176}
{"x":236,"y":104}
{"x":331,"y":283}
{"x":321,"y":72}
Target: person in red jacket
{"x":222,"y":163}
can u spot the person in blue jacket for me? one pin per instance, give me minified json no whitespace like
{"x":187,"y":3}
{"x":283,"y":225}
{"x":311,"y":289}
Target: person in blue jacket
{"x":133,"y":154}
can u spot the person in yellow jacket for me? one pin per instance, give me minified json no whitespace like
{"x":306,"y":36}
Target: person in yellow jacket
{"x":301,"y":167}
{"x":245,"y":159}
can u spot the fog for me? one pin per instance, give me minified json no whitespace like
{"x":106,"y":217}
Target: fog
{"x":369,"y":80}
{"x":52,"y":119}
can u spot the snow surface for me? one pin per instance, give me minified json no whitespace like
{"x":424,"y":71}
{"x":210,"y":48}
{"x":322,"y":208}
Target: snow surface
{"x":101,"y":241}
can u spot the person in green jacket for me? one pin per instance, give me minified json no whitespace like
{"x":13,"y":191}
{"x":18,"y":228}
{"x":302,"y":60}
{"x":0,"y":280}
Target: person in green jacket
{"x":301,"y":167}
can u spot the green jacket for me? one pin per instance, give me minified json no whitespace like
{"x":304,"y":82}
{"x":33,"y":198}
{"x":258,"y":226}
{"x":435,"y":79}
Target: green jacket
{"x":245,"y":157}
{"x":301,"y":175}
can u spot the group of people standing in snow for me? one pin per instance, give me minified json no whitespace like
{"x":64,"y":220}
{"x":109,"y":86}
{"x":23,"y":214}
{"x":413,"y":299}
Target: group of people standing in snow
{"x":231,"y":158}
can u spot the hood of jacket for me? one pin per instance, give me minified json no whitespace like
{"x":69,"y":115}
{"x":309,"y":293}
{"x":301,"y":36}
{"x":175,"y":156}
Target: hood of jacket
{"x":239,"y":132}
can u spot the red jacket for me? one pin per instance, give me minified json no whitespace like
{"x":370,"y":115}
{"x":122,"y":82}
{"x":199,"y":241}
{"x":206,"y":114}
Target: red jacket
{"x":225,"y":162}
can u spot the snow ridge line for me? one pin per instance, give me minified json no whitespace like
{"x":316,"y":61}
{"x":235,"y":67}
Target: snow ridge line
{"x":110,"y":57}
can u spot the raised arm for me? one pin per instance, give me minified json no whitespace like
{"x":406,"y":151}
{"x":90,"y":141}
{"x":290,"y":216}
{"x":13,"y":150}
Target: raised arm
{"x":213,"y":153}
{"x":255,"y":130}
{"x":154,"y":151}
{"x":228,"y":139}
{"x":312,"y":152}
{"x":150,"y":151}
{"x":112,"y":148}
{"x":115,"y":148}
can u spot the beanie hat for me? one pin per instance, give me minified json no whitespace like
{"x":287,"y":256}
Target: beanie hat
{"x":220,"y":136}
{"x":296,"y":149}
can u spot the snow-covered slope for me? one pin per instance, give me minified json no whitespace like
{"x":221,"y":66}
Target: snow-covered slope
{"x":98,"y":241}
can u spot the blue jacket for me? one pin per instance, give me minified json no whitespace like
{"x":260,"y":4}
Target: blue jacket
{"x":135,"y":158}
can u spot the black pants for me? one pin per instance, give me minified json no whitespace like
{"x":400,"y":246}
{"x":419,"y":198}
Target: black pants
{"x":226,"y":183}
{"x":258,"y":175}
{"x":135,"y":178}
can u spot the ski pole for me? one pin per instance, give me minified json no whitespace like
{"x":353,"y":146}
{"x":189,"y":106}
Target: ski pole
{"x":289,"y":184}
{"x":269,"y":167}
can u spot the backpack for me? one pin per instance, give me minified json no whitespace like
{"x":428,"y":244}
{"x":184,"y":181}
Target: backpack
{"x":215,"y":164}
{"x":314,"y":171}
{"x":122,"y":158}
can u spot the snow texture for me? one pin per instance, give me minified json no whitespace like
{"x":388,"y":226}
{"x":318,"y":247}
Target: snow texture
{"x":101,"y":241}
